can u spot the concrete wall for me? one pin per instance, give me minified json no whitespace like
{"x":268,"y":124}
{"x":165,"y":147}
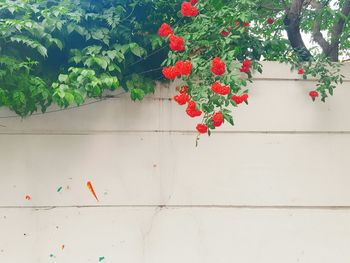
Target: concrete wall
{"x":274,"y":188}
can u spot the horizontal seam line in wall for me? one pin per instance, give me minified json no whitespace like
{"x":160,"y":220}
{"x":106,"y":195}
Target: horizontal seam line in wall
{"x":255,"y":207}
{"x":291,"y":79}
{"x":101,"y":132}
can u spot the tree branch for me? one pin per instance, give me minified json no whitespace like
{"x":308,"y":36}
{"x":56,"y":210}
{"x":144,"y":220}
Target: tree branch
{"x":338,"y":28}
{"x":317,"y":34}
{"x":292,"y":23}
{"x":330,"y":49}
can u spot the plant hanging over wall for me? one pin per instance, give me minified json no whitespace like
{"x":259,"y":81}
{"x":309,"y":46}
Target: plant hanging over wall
{"x":64,"y":52}
{"x":215,"y":51}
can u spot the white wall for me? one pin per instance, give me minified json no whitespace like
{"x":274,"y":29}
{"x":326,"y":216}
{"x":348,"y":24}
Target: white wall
{"x":274,"y":188}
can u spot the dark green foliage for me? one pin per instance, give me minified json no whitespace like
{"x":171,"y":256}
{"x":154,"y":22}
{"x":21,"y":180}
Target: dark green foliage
{"x":67,"y":51}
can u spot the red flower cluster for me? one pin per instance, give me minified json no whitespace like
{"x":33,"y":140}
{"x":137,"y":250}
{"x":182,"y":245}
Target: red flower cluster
{"x":313,"y":94}
{"x":246,"y":24}
{"x":184,"y":67}
{"x":270,"y":20}
{"x":165,"y":30}
{"x":180,"y":68}
{"x":218,"y":66}
{"x":187,"y":9}
{"x":301,"y":71}
{"x":220,"y":89}
{"x":240,"y":99}
{"x":217,"y":119}
{"x":202,"y":128}
{"x":177,"y":43}
{"x":171,"y":72}
{"x":246,"y":66}
{"x":182,"y":99}
{"x":192,"y":110}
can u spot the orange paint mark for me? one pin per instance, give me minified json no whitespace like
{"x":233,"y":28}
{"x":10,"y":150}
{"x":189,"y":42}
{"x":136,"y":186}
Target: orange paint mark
{"x":89,"y":185}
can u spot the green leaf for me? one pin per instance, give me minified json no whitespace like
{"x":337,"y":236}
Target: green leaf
{"x":137,"y":94}
{"x":137,"y":50}
{"x":63,"y":78}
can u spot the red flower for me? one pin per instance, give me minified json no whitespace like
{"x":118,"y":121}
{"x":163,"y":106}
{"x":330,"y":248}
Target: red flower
{"x":240,"y":99}
{"x":224,"y":33}
{"x":220,"y":89}
{"x":188,"y":10}
{"x":229,"y":27}
{"x":193,"y":2}
{"x":182,"y":99}
{"x":165,"y":30}
{"x":218,"y":66}
{"x":237,"y":23}
{"x":301,"y":71}
{"x":217,"y":119}
{"x":184,"y":90}
{"x":192,"y":110}
{"x":270,"y":20}
{"x":313,"y":94}
{"x":245,"y":97}
{"x":177,"y":43}
{"x":236,"y":99}
{"x":246,"y":24}
{"x":246,"y":66}
{"x":184,"y":67}
{"x":202,"y":128}
{"x":170,"y":72}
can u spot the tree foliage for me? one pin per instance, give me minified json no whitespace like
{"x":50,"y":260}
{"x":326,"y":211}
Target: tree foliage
{"x":67,"y":51}
{"x":64,"y":52}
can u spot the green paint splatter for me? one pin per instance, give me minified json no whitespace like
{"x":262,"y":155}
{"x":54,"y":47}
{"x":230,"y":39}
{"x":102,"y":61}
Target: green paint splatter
{"x":100,"y":259}
{"x":52,"y":255}
{"x":59,"y":189}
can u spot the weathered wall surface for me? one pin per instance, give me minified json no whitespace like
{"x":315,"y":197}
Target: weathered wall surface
{"x":273,"y":188}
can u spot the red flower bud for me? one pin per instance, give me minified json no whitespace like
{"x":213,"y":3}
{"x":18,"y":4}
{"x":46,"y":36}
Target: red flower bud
{"x":270,"y":20}
{"x":313,"y":94}
{"x":301,"y":71}
{"x":183,"y":89}
{"x":224,"y":33}
{"x":217,"y":119}
{"x":202,"y":128}
{"x":246,"y":66}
